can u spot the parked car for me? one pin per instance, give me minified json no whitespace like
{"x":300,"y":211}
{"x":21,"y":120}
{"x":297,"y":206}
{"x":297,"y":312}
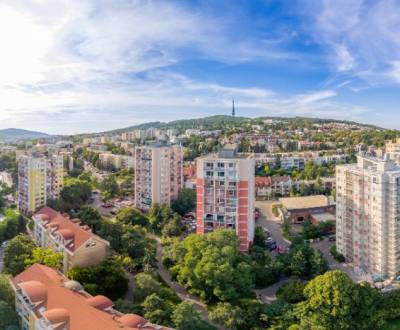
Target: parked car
{"x":332,"y":238}
{"x":107,"y":205}
{"x":272,"y":246}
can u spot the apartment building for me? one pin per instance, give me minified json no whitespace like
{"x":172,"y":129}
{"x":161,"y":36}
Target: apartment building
{"x":117,"y":161}
{"x":225,"y":194}
{"x":78,"y":245}
{"x":46,"y":300}
{"x":368,"y":214}
{"x":393,"y":150}
{"x":40,"y":178}
{"x":158,"y":174}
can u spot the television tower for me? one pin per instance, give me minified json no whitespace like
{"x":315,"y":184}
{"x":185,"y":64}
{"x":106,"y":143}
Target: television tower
{"x":233,"y":107}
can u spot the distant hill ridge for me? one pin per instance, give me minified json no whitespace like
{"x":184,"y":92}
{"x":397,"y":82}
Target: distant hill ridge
{"x":14,"y":134}
{"x":215,"y":122}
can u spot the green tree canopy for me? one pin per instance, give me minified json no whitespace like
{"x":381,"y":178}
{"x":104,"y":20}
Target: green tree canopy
{"x":186,"y":317}
{"x":107,"y":278}
{"x":186,"y":201}
{"x":333,"y":301}
{"x":44,"y":256}
{"x":212,"y":266}
{"x":132,"y":216}
{"x":91,"y":217}
{"x":16,"y":252}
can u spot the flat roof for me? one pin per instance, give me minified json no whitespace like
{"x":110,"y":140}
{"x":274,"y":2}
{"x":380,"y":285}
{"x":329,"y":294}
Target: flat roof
{"x":306,"y":202}
{"x":323,"y":217}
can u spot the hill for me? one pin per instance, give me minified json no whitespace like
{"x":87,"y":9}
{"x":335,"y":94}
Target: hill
{"x":14,"y":134}
{"x":221,"y":121}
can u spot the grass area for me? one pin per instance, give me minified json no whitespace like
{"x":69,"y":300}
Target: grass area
{"x":393,"y":325}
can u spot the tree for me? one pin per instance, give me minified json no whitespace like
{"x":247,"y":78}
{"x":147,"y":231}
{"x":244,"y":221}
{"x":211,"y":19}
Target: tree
{"x":156,"y":310}
{"x":91,"y":217}
{"x":16,"y":252}
{"x":8,"y":317}
{"x":136,"y":244}
{"x":132,"y":216}
{"x":146,"y":285}
{"x":333,"y":301}
{"x":291,"y":292}
{"x":44,"y":256}
{"x":107,"y":278}
{"x":174,"y":227}
{"x":112,"y":232}
{"x":186,"y":201}
{"x":186,"y":317}
{"x":75,"y":193}
{"x":259,"y":237}
{"x":109,"y":187}
{"x":229,"y":316}
{"x":12,"y":225}
{"x":212,"y":266}
{"x":6,"y":292}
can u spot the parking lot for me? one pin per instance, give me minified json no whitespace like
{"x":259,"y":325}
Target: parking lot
{"x":270,"y":223}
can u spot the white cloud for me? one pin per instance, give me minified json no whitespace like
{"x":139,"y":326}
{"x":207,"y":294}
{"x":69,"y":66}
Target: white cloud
{"x":360,"y":36}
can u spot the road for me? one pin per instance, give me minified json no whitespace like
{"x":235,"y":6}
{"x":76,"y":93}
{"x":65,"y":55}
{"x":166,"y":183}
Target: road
{"x":268,"y":221}
{"x":96,"y":204}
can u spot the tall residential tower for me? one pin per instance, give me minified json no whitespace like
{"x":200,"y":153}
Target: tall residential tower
{"x":225,"y":194}
{"x":40,"y":178}
{"x":368,"y":214}
{"x":158,"y":174}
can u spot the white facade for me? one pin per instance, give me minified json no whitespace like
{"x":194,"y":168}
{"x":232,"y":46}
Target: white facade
{"x":368,"y":214}
{"x":158,"y":175}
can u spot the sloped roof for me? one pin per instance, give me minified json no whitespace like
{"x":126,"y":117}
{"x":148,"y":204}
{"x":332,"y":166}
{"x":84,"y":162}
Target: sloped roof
{"x":62,"y":302}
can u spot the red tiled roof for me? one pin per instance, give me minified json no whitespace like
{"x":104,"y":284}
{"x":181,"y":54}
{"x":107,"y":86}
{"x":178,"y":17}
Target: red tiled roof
{"x":262,"y":181}
{"x":62,"y":302}
{"x":64,"y":226}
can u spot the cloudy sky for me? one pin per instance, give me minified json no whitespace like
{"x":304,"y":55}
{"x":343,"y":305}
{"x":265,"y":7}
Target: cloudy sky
{"x":71,"y":66}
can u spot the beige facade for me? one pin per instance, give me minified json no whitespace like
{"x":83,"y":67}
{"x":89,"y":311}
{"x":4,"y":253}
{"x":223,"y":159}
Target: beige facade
{"x":118,"y":161}
{"x":368,"y":214}
{"x":40,"y":178}
{"x":158,"y":174}
{"x":78,"y":245}
{"x":393,"y":150}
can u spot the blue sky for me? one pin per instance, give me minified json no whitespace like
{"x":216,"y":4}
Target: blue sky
{"x":86,"y":66}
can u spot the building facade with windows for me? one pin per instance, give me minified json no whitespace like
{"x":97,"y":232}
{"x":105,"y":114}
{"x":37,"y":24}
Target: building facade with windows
{"x":225,"y":194}
{"x":40,"y":178}
{"x":158,"y":174}
{"x":46,"y":300}
{"x":77,"y":244}
{"x":368,"y":214}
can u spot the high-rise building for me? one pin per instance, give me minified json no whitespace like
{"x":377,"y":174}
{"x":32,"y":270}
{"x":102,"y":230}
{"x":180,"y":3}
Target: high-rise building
{"x":368,"y":214}
{"x":158,"y":174}
{"x":40,"y":178}
{"x":393,"y":150}
{"x":225,"y":194}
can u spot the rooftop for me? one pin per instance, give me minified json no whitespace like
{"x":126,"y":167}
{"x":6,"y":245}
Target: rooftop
{"x":307,"y":202}
{"x":70,"y":230}
{"x":79,"y":308}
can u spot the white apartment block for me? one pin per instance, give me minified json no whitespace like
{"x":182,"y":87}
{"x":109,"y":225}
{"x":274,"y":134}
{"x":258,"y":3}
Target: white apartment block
{"x":368,"y":214}
{"x":158,"y":174}
{"x":393,"y":150}
{"x":40,"y":178}
{"x":225,"y":194}
{"x":118,"y":161}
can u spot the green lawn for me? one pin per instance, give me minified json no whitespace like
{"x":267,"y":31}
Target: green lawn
{"x":393,"y":325}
